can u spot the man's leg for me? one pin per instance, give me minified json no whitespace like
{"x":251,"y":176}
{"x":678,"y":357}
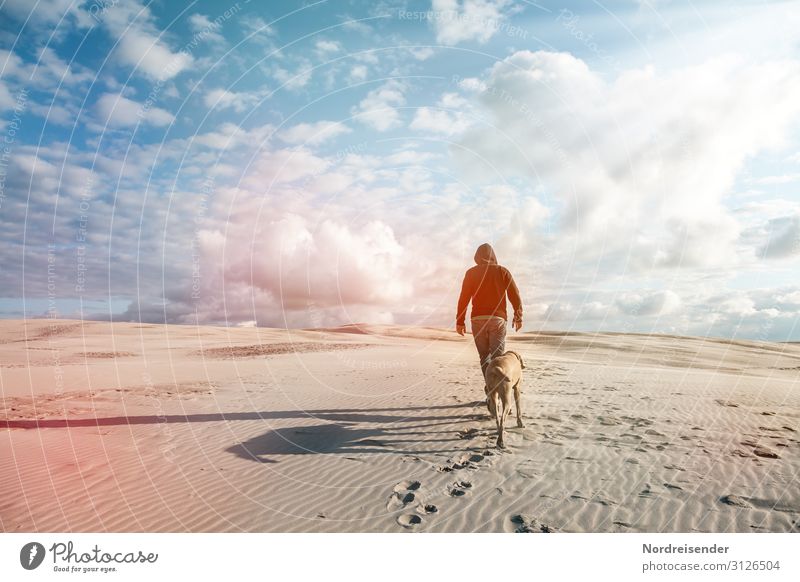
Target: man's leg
{"x":496,"y":338}
{"x":480,"y":333}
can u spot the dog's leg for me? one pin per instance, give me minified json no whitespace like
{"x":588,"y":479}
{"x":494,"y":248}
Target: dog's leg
{"x":490,"y":402}
{"x":502,"y":411}
{"x":517,"y":402}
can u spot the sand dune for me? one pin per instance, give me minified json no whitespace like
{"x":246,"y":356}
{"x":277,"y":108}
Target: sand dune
{"x":129,"y":427}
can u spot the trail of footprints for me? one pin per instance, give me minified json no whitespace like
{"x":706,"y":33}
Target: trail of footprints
{"x":413,"y":502}
{"x":411,"y":498}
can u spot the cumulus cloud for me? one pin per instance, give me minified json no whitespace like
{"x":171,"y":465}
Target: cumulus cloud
{"x":114,"y":110}
{"x":654,"y":303}
{"x":46,"y":72}
{"x":782,"y":237}
{"x":313,"y":133}
{"x":357,"y":73}
{"x":6,"y":100}
{"x":296,"y":79}
{"x":635,"y":176}
{"x":379,"y":108}
{"x":293,"y":242}
{"x":297,"y":262}
{"x":44,"y":12}
{"x":238,"y":101}
{"x":140,"y":44}
{"x":203,"y":26}
{"x":449,"y":118}
{"x":459,"y":21}
{"x":325,"y":48}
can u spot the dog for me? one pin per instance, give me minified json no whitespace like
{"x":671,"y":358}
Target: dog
{"x":503,"y":376}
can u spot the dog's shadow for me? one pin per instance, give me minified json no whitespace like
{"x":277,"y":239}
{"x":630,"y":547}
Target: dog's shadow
{"x":332,"y":438}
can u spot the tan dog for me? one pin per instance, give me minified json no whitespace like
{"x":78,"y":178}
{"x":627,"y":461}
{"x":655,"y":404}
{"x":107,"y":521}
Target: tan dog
{"x":502,"y":378}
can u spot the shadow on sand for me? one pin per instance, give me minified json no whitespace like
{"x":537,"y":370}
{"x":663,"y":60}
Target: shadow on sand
{"x":343,"y":439}
{"x":337,"y":435}
{"x":372,"y":415}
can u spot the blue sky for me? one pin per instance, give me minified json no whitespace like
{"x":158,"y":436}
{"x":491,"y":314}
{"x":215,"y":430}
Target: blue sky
{"x":635,"y":164}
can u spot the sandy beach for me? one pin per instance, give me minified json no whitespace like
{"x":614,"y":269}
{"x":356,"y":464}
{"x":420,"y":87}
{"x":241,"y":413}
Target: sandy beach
{"x":368,"y":428}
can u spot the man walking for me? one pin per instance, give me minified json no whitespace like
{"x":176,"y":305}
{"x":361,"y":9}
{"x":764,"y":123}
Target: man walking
{"x":486,"y":285}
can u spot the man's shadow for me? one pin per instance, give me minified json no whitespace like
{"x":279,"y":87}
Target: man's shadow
{"x":336,"y":435}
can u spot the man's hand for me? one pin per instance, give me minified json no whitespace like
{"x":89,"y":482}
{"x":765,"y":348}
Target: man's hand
{"x":461,"y":329}
{"x":517,"y":324}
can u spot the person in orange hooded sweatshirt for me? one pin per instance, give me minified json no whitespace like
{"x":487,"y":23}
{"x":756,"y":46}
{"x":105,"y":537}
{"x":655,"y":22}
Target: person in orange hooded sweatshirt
{"x":487,"y":284}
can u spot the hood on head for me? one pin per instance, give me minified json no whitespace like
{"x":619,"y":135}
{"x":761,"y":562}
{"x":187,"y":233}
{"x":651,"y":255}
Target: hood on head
{"x":485,"y":255}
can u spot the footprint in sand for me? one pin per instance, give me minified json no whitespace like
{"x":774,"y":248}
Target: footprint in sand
{"x":468,"y":458}
{"x":459,"y":489}
{"x":468,"y":433}
{"x":527,"y":524}
{"x":765,"y":453}
{"x":647,"y":492}
{"x":403,"y":495}
{"x":734,"y":500}
{"x":407,"y":486}
{"x":409,"y":520}
{"x":465,"y":461}
{"x":636,"y":421}
{"x":399,"y":501}
{"x":596,"y":497}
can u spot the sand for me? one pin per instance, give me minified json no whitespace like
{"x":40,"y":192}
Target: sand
{"x":127,"y":427}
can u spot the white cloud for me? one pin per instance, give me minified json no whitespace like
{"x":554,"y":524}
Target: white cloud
{"x":204,"y":27}
{"x":449,"y":118}
{"x":357,"y":73}
{"x":239,"y":102}
{"x":6,"y":100}
{"x":41,"y":12}
{"x":781,"y":179}
{"x":313,"y":133}
{"x":458,"y":21}
{"x":325,"y":48}
{"x":258,"y":27}
{"x":654,"y":303}
{"x":114,"y":110}
{"x":782,"y":238}
{"x":51,"y":112}
{"x":283,"y":166}
{"x":378,"y":108}
{"x":294,"y":80}
{"x":48,"y":70}
{"x":640,"y":183}
{"x":422,"y":53}
{"x":228,"y":136}
{"x":141,"y":44}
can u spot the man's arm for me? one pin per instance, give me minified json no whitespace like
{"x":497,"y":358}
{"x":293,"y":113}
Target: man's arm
{"x":516,"y":301}
{"x":463,"y":302}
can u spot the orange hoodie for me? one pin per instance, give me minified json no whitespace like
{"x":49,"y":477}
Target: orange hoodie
{"x":487,"y":285}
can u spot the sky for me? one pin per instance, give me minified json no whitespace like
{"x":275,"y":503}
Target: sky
{"x":635,"y":164}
